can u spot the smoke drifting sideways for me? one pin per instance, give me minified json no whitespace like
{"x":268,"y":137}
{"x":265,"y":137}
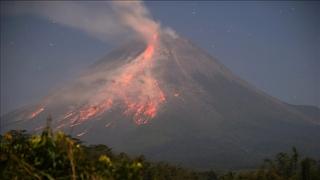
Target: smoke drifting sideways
{"x":132,"y":86}
{"x":103,"y":20}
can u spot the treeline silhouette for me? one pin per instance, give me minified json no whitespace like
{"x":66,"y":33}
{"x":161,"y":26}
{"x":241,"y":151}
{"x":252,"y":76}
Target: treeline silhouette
{"x":58,"y":156}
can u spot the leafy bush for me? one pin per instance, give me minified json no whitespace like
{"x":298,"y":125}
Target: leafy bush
{"x":59,"y":156}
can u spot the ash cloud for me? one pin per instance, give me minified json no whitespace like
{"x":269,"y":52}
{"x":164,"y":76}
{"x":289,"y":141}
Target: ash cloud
{"x":103,"y":20}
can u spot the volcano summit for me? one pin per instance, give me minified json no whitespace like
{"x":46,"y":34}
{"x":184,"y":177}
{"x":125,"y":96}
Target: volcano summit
{"x":171,"y":101}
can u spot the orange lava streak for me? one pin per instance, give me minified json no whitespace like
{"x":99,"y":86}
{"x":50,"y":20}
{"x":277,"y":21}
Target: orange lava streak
{"x":88,"y":112}
{"x":149,"y":51}
{"x":95,"y":110}
{"x":36,"y":113}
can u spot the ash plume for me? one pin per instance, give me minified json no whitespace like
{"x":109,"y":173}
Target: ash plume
{"x":103,"y":20}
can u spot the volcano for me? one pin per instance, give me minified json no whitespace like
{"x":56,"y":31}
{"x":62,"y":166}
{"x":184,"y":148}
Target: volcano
{"x":171,"y":101}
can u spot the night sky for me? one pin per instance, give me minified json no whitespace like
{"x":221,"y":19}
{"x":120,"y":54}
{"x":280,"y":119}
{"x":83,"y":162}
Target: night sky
{"x":273,"y":45}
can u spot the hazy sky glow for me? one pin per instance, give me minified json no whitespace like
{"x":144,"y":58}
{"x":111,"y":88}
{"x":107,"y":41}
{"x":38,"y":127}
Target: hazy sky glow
{"x":273,"y":45}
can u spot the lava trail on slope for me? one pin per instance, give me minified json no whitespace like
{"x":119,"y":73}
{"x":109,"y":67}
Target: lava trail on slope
{"x":133,"y":87}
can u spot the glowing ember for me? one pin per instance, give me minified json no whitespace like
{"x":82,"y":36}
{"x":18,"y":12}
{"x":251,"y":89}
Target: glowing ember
{"x":36,"y":113}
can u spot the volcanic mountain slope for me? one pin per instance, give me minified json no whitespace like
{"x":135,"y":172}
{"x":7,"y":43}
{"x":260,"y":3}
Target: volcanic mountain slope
{"x":171,"y":101}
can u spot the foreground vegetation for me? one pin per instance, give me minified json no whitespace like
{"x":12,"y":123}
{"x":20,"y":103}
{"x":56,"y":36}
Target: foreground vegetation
{"x":59,"y":156}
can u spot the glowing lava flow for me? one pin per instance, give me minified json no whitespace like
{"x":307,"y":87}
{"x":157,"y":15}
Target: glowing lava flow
{"x":133,"y":87}
{"x":36,"y":113}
